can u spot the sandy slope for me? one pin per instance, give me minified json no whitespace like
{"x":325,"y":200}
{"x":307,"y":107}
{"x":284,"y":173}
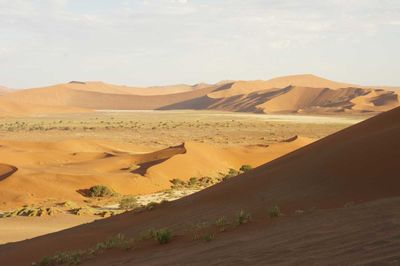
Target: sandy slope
{"x":358,"y":164}
{"x":20,"y":228}
{"x":306,"y":80}
{"x":57,"y":170}
{"x":4,"y":90}
{"x":101,"y":97}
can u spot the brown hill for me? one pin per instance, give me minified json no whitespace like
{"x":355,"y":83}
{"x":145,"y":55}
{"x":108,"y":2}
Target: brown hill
{"x":4,"y":90}
{"x":356,"y":165}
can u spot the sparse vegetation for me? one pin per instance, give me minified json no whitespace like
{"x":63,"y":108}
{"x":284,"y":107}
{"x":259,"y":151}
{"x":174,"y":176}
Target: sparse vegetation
{"x":162,"y":236}
{"x":242,"y":217}
{"x":100,"y":191}
{"x":209,"y":237}
{"x":245,"y":168}
{"x":221,"y":223}
{"x":274,"y":211}
{"x":177,"y":183}
{"x":128,"y":203}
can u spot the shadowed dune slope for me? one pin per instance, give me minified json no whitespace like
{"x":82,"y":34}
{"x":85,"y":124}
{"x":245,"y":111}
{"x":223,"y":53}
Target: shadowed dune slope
{"x":358,"y":164}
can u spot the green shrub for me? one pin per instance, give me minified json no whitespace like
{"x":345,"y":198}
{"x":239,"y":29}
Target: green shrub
{"x":274,"y":212}
{"x":242,"y":217}
{"x":100,"y":191}
{"x":209,"y":237}
{"x":69,"y":257}
{"x":232,"y":172}
{"x":163,"y":236}
{"x":245,"y":168}
{"x":192,"y":181}
{"x":151,"y":205}
{"x":176,"y":182}
{"x":128,"y":203}
{"x":221,"y":223}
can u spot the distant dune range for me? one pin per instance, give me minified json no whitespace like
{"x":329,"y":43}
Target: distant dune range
{"x":346,"y":186}
{"x":290,"y":94}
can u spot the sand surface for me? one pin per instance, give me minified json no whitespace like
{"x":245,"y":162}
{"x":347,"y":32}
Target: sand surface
{"x":354,"y":166}
{"x":20,"y":228}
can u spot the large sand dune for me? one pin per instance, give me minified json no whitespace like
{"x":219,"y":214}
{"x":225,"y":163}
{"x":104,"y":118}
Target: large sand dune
{"x":57,"y":170}
{"x":356,"y":165}
{"x":299,"y":93}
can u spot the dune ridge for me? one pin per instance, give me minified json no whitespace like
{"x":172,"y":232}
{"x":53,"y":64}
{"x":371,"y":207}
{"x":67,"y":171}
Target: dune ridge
{"x":59,"y":169}
{"x":293,"y":94}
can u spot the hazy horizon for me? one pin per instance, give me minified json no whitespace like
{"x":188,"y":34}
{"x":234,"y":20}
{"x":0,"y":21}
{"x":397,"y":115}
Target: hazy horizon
{"x":162,"y":42}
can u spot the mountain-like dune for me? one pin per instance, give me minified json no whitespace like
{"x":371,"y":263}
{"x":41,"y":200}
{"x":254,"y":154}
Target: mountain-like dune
{"x":4,"y":90}
{"x":355,"y":167}
{"x":102,"y":96}
{"x":306,"y":80}
{"x":11,"y":108}
{"x":294,"y":94}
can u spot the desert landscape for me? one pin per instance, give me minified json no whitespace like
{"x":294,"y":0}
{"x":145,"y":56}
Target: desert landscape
{"x":122,"y":176}
{"x":183,"y":132}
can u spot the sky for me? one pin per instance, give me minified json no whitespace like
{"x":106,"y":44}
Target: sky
{"x":155,"y":42}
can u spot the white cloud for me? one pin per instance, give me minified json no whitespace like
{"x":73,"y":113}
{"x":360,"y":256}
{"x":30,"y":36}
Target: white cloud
{"x":154,"y":39}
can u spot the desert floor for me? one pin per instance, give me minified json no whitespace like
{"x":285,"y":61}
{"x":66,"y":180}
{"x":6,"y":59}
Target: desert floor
{"x":78,"y":150}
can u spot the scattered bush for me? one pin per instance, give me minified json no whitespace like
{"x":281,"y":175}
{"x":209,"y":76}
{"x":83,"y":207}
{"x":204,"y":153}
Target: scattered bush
{"x":242,"y":217}
{"x":151,"y":205}
{"x":100,"y":191}
{"x":193,"y":181}
{"x":245,"y":168}
{"x":163,"y":236}
{"x":274,"y":212}
{"x":128,"y":203}
{"x":69,"y":257}
{"x":209,"y":237}
{"x":176,"y":182}
{"x":221,"y":223}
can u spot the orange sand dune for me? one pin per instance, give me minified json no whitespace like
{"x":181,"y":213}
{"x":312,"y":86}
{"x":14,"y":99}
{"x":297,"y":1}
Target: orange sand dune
{"x":206,"y":160}
{"x":4,"y":90}
{"x":293,"y":99}
{"x":101,"y":97}
{"x":57,"y":170}
{"x":307,"y":80}
{"x":358,"y":164}
{"x":297,"y":93}
{"x":11,"y":108}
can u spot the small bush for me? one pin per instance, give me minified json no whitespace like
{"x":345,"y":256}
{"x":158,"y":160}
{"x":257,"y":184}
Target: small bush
{"x":151,"y":205}
{"x":128,"y":203}
{"x":232,"y":172}
{"x":242,"y":217}
{"x":246,"y":168}
{"x":274,"y":212}
{"x":221,"y":223}
{"x":209,"y":237}
{"x":192,"y":181}
{"x":163,"y":236}
{"x":176,"y":182}
{"x":117,"y":241}
{"x":69,"y":257}
{"x":100,"y":191}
